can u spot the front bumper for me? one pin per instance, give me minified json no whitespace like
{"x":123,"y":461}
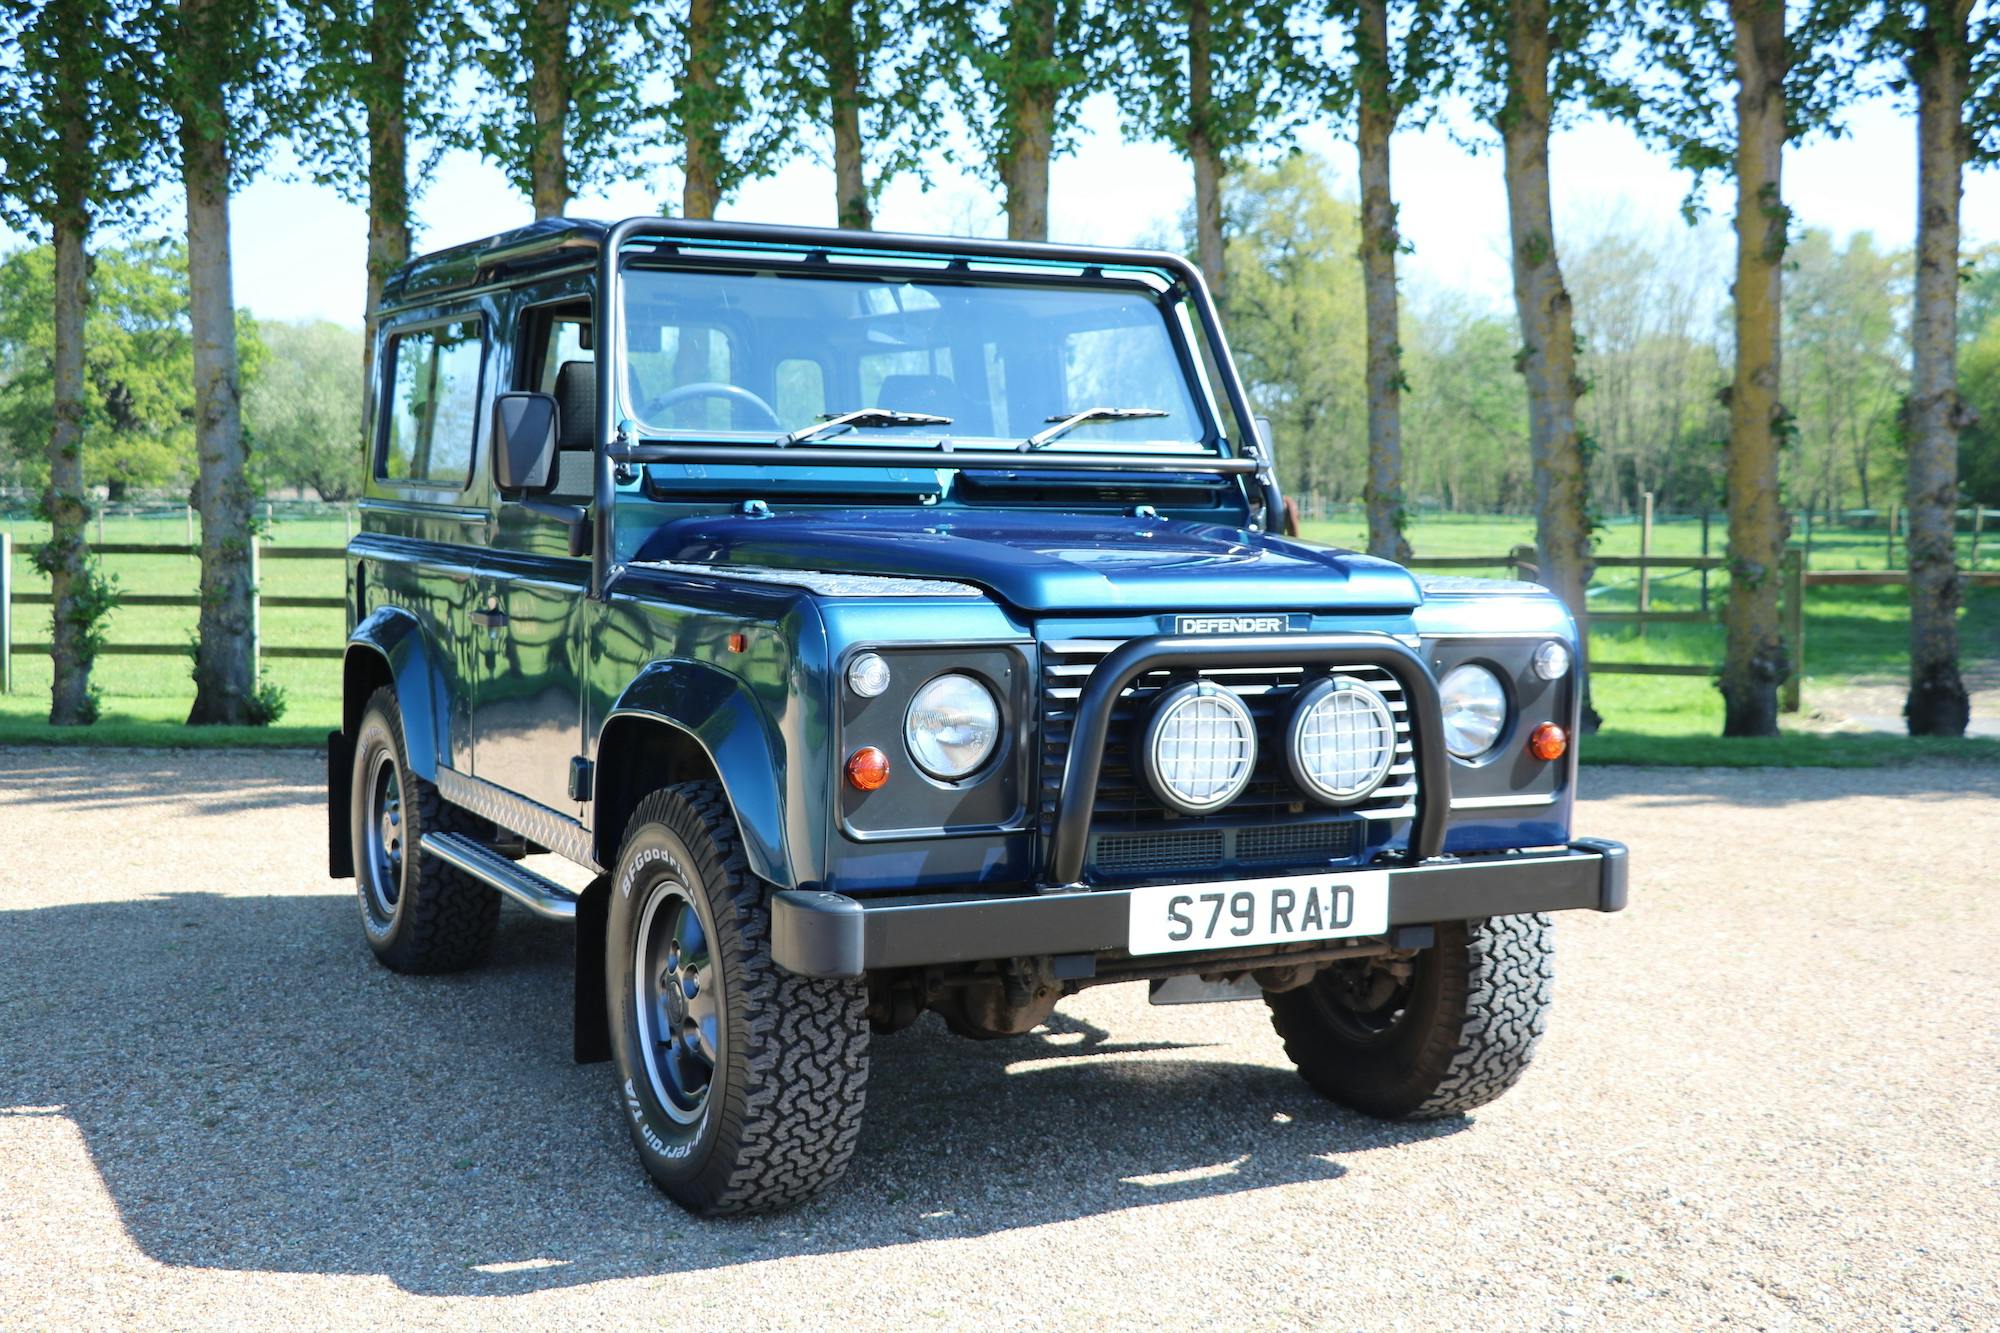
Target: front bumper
{"x":819,"y":934}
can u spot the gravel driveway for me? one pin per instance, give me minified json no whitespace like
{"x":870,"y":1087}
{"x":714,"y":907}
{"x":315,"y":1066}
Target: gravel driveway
{"x":1770,"y":1096}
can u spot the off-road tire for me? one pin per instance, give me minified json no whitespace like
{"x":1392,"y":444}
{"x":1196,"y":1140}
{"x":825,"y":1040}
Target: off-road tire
{"x":443,"y":920}
{"x":1472,"y":1014}
{"x":782,"y":1110}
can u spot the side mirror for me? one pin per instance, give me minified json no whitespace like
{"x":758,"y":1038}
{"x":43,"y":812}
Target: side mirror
{"x":524,"y":441}
{"x":1264,"y":439}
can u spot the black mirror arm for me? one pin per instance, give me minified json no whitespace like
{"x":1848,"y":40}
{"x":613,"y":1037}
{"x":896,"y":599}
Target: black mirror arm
{"x":575,"y":517}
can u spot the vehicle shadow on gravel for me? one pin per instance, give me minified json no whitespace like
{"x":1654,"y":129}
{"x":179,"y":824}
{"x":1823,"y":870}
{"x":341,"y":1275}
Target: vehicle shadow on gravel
{"x":256,"y":1093}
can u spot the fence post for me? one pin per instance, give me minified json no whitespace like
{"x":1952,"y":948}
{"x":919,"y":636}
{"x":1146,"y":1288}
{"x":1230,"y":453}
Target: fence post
{"x":188,"y":512}
{"x":1645,"y":554}
{"x":1525,"y":568}
{"x":1978,"y":522}
{"x":1794,"y":566}
{"x":6,"y":613}
{"x":256,"y":614}
{"x":1704,"y":556}
{"x":1889,"y":547}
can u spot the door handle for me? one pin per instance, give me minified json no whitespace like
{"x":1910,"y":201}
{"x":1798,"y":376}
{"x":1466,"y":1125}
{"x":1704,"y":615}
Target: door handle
{"x":489,"y":617}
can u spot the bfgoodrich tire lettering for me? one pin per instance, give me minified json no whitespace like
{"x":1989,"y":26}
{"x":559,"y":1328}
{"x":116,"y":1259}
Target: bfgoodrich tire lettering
{"x":419,"y":914}
{"x":1459,"y":1032}
{"x":777,"y":1118}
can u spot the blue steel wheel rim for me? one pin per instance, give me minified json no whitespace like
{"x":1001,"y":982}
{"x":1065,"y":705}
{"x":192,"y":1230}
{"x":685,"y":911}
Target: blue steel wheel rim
{"x":677,"y":997}
{"x":383,"y":834}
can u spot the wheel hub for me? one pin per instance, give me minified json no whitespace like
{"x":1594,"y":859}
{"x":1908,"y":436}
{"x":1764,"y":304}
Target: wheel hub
{"x":678,"y":1008}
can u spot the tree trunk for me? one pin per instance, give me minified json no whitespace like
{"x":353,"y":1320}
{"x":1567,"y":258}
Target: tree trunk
{"x":1937,"y":704}
{"x":1383,"y":495}
{"x":850,"y":168}
{"x":225,"y":678}
{"x":699,"y":189}
{"x":1031,"y":118}
{"x":64,"y":557}
{"x":1548,"y":336}
{"x":389,"y":34}
{"x":1202,"y":152}
{"x":1755,"y":659}
{"x":548,"y":106}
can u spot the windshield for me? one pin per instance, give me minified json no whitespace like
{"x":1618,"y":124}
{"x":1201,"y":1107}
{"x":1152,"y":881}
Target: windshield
{"x":760,"y":355}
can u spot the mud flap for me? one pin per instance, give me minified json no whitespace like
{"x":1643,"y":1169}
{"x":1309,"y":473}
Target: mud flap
{"x":591,"y":1024}
{"x":339,"y":805}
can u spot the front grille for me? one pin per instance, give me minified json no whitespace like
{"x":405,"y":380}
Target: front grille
{"x":1140,"y":853}
{"x":1272,"y":823}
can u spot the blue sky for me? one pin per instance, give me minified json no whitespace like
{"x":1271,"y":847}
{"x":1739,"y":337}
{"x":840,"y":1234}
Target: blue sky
{"x":300,"y":248}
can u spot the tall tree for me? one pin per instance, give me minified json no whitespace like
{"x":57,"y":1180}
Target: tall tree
{"x":1541,"y":58}
{"x":375,"y":76}
{"x":865,"y":70}
{"x":221,"y":59}
{"x":74,"y":147}
{"x":1025,"y":67}
{"x":730,"y":122}
{"x":1395,"y":54}
{"x":559,"y":108}
{"x":1951,"y":67}
{"x":1213,"y":81}
{"x":1740,"y":83}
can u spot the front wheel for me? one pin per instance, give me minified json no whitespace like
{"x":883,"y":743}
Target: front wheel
{"x":742,"y":1084}
{"x":1434,"y":1035}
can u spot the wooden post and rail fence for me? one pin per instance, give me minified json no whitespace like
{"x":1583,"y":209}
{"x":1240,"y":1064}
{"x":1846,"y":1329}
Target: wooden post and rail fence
{"x":1521,"y":560}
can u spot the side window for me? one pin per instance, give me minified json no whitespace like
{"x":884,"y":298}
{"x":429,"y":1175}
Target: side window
{"x":565,"y":344}
{"x":433,"y":404}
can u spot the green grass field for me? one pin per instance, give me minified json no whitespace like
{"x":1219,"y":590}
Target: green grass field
{"x":1853,"y":635}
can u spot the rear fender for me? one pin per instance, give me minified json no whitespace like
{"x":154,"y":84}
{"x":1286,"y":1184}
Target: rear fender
{"x":394,"y":639}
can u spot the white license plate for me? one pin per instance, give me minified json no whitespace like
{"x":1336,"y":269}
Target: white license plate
{"x":1169,"y":918}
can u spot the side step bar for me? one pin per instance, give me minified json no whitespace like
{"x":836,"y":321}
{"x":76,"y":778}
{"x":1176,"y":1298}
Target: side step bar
{"x":542,"y":896}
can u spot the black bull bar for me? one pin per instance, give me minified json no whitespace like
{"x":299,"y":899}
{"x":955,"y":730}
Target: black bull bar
{"x":1129,"y":661}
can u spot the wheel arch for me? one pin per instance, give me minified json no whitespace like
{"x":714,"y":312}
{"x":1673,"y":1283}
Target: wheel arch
{"x":687,"y":722}
{"x":389,"y":648}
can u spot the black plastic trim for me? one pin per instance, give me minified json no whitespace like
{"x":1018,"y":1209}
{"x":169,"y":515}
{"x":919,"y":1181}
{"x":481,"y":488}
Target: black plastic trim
{"x":1129,"y":661}
{"x":823,"y":934}
{"x":339,"y":805}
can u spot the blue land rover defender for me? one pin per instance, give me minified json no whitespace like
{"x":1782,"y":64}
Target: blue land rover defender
{"x":888,"y":624}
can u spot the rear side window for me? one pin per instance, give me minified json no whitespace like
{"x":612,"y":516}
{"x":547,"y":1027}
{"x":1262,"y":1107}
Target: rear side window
{"x":433,"y":404}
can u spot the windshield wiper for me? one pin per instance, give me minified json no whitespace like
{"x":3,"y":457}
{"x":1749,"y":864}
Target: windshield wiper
{"x":1064,"y":425}
{"x":862,"y":416}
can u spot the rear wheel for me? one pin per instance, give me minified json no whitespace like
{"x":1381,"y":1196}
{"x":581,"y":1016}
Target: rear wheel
{"x":741,"y":1083}
{"x":419,"y":914}
{"x":1435,"y":1035}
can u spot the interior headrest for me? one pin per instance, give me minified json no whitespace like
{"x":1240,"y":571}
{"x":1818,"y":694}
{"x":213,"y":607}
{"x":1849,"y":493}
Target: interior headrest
{"x":576,"y":404}
{"x":934,"y":394}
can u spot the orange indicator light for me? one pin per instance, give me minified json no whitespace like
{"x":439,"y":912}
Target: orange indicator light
{"x":738,"y":642}
{"x":1548,"y":741}
{"x":867,"y":769}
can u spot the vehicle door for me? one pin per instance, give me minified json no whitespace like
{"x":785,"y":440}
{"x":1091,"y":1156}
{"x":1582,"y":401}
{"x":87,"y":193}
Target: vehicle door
{"x":425,"y":504}
{"x":529,"y":616}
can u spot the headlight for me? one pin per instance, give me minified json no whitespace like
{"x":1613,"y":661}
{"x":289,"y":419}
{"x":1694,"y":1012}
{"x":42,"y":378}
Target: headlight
{"x":1475,"y":710}
{"x":1343,"y":737}
{"x":952,"y":726}
{"x":1199,"y":748}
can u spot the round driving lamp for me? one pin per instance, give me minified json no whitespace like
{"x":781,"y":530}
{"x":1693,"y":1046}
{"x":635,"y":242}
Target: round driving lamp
{"x":1342,"y":739}
{"x":1199,"y":748}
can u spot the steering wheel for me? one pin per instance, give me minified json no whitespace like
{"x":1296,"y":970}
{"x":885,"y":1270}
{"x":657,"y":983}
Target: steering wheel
{"x":716,"y":389}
